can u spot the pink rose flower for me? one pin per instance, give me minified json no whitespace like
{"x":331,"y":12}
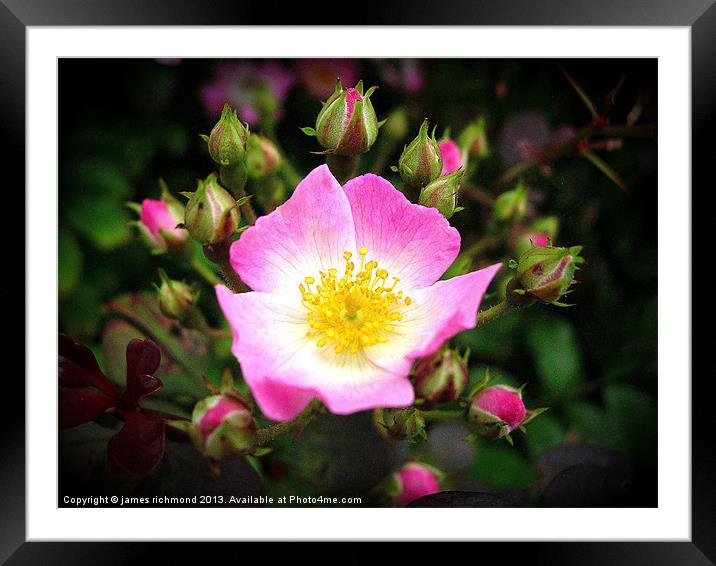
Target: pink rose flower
{"x":450,"y":153}
{"x":159,"y":221}
{"x":345,"y":296}
{"x":415,"y":481}
{"x":239,"y":85}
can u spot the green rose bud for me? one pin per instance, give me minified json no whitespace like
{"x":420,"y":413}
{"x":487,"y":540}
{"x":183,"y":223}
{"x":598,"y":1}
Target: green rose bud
{"x":547,"y":272}
{"x":228,"y":138}
{"x":442,"y":193}
{"x":473,"y":140}
{"x":400,"y":424}
{"x":440,"y":378}
{"x":262,"y":157}
{"x":420,"y":163}
{"x":176,"y":298}
{"x":347,"y":124}
{"x":511,"y":206}
{"x":212,"y":215}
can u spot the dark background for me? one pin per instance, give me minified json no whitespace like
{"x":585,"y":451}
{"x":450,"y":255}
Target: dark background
{"x":124,"y":123}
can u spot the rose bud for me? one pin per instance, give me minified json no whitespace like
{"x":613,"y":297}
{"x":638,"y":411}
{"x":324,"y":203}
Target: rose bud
{"x":176,"y":298}
{"x":212,"y":215}
{"x":473,"y":140}
{"x":413,"y":481}
{"x":158,"y":221}
{"x":451,"y":156}
{"x":262,"y":157}
{"x":347,"y":124}
{"x":547,"y":272}
{"x":511,"y":206}
{"x":400,"y":424}
{"x":440,"y":378}
{"x":442,"y":193}
{"x":420,"y":163}
{"x":228,"y":139}
{"x":223,"y":427}
{"x":496,"y":411}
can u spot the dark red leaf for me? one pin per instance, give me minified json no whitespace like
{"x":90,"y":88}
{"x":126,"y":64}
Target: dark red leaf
{"x":139,"y":446}
{"x":141,"y":386}
{"x":143,"y":357}
{"x":77,"y":367}
{"x":79,"y":405}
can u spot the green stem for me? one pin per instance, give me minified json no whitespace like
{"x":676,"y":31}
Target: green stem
{"x":443,"y":415}
{"x":267,"y":434}
{"x":204,"y":271}
{"x":234,"y":179}
{"x":493,"y":313}
{"x":343,"y":167}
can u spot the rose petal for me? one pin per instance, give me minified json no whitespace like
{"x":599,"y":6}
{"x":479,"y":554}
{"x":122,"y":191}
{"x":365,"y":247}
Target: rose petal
{"x":155,"y":216}
{"x":308,"y":233}
{"x":285,"y":370}
{"x":442,"y":310}
{"x":450,"y":153}
{"x":411,"y":241}
{"x":139,"y":446}
{"x":416,"y":481}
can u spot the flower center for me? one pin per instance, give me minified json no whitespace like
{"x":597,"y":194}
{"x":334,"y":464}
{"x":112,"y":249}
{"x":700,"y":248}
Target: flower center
{"x":352,"y":310}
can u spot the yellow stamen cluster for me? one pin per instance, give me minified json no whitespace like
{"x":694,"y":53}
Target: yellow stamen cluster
{"x":352,"y":310}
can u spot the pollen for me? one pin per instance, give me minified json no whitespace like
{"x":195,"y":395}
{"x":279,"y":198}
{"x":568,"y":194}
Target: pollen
{"x":352,"y":309}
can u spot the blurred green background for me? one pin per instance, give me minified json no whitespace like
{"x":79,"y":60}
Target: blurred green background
{"x":126,"y":123}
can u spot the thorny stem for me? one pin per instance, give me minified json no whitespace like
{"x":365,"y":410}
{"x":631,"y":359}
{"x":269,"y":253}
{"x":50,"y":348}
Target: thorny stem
{"x":268,"y":433}
{"x":219,"y":254}
{"x":640,"y":131}
{"x":493,"y":313}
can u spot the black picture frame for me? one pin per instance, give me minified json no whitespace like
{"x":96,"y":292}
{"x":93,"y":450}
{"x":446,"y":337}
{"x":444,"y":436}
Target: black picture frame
{"x":699,"y":15}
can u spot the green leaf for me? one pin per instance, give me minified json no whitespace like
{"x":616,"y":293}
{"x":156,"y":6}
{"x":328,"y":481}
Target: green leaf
{"x":309,"y":131}
{"x":102,"y":220}
{"x":500,"y":466}
{"x":544,"y":433}
{"x":553,"y":345}
{"x":70,"y":262}
{"x":635,"y":417}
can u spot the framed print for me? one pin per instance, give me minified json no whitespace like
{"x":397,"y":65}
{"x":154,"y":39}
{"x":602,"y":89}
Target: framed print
{"x":422,"y":278}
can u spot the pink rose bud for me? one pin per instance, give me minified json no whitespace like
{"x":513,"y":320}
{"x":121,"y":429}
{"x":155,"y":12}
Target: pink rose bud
{"x":440,"y":378}
{"x":347,"y":124}
{"x":223,"y":427}
{"x":158,"y":221}
{"x":450,"y":153}
{"x":496,"y":411}
{"x":547,"y":272}
{"x":413,"y":481}
{"x":421,"y":163}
